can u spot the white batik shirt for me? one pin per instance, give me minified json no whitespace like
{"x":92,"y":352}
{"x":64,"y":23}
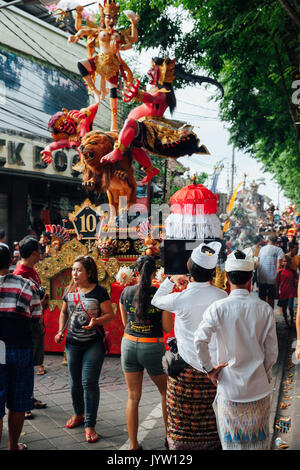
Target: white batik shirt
{"x":188,"y":307}
{"x":246,"y":338}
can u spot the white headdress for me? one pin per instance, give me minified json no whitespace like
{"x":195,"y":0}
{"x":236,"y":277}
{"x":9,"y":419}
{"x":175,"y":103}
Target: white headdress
{"x":206,"y":258}
{"x":234,"y":264}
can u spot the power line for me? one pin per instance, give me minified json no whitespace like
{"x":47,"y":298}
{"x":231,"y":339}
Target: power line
{"x":21,"y":117}
{"x":196,"y":105}
{"x":44,"y":96}
{"x":197,"y":116}
{"x":72,"y":80}
{"x":47,"y":54}
{"x":15,"y":100}
{"x":39,"y":52}
{"x":16,"y":126}
{"x":54,"y":58}
{"x":36,"y":96}
{"x":45,"y":37}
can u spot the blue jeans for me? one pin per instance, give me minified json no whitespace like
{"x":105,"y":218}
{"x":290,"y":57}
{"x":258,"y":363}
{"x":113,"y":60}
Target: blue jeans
{"x":84,"y":371}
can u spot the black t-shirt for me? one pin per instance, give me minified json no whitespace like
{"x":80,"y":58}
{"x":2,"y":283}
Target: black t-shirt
{"x":81,"y":308}
{"x":151,"y":326}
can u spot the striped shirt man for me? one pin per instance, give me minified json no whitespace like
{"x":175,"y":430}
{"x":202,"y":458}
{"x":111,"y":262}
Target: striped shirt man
{"x":19,"y":305}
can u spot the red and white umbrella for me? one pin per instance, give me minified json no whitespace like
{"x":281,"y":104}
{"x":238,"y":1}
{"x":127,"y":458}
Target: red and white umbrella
{"x":193,"y":214}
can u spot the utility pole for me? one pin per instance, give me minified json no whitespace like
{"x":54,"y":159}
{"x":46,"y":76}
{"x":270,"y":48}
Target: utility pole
{"x":228,"y":182}
{"x":165,"y":180}
{"x":244,"y":183}
{"x":232,"y":172}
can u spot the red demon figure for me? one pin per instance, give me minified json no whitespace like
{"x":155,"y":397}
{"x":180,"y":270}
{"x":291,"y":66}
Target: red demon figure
{"x":146,"y":129}
{"x":67,"y":129}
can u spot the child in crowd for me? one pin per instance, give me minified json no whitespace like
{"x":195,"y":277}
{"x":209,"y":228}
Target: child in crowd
{"x":286,"y":284}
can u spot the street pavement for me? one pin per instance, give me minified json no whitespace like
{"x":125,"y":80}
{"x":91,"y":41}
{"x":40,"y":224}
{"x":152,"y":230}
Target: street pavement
{"x":286,"y":428}
{"x":47,"y":431}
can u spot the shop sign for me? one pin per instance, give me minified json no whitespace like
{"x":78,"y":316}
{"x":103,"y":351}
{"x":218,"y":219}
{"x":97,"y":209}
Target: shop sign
{"x":23,"y":154}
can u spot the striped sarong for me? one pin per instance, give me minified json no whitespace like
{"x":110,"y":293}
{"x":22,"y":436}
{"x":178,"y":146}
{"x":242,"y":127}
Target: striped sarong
{"x":191,"y":418}
{"x":243,"y":426}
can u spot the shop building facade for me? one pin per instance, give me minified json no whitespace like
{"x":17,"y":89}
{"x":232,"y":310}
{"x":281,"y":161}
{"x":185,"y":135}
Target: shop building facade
{"x":38,"y":77}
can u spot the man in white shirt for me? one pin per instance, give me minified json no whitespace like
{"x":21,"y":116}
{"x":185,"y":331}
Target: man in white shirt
{"x":199,"y":432}
{"x":247,"y":349}
{"x":269,"y":258}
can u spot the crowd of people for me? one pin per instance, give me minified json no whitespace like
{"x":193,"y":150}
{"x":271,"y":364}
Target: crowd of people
{"x":227,"y":342}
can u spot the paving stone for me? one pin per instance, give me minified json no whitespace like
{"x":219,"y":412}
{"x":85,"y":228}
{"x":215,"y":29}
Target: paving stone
{"x":40,"y":445}
{"x":150,"y":424}
{"x":65,"y":443}
{"x":33,"y":436}
{"x":116,"y":419}
{"x":51,"y":430}
{"x":68,"y":408}
{"x":61,"y":398}
{"x":107,"y":430}
{"x":76,"y":433}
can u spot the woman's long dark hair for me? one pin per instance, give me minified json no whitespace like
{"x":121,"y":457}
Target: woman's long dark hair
{"x":145,"y":266}
{"x":91,"y":268}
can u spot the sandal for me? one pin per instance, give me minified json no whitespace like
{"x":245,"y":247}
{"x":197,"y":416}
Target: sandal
{"x":38,"y":405}
{"x":22,"y":446}
{"x":91,"y":436}
{"x":74,"y":422}
{"x":280,"y":444}
{"x":41,"y":371}
{"x":28,"y":415}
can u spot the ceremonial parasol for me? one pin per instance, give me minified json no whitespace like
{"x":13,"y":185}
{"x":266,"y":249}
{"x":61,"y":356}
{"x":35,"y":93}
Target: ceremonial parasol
{"x":193,"y":214}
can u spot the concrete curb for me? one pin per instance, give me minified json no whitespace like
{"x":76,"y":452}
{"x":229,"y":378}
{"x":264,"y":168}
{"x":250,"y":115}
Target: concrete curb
{"x":278,"y":377}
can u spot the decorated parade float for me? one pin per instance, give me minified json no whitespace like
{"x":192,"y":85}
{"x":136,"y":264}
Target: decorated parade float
{"x":117,"y":233}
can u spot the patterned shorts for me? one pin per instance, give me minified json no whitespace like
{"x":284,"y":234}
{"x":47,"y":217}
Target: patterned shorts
{"x":16,"y":381}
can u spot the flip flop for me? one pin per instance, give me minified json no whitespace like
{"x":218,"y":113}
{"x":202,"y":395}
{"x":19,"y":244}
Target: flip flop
{"x":91,"y":436}
{"x":41,"y":372}
{"x":74,"y":422}
{"x":38,"y":405}
{"x":280,"y":444}
{"x":22,"y":446}
{"x":28,"y":415}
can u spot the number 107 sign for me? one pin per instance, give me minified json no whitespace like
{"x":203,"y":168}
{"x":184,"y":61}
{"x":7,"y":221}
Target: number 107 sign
{"x":86,"y":220}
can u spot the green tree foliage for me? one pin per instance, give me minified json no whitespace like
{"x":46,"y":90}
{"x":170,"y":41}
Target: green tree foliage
{"x":201,"y":178}
{"x":252,"y":48}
